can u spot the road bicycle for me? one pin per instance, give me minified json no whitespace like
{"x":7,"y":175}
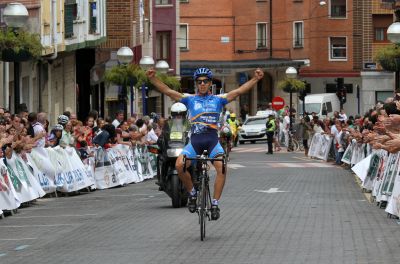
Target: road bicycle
{"x":202,"y":180}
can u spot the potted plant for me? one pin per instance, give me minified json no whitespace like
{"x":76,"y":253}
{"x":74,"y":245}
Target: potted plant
{"x":389,"y":57}
{"x":291,"y":85}
{"x":19,"y":45}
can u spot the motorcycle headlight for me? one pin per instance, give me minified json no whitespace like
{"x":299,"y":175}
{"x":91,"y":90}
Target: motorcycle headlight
{"x":174,"y":152}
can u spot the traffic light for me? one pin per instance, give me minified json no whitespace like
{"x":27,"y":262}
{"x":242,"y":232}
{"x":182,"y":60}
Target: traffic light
{"x":341,"y":91}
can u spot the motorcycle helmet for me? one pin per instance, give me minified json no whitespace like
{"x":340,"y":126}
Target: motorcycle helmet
{"x":178,"y":109}
{"x":62,"y":119}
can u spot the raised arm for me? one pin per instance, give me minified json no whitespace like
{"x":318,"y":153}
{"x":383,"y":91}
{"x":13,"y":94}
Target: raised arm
{"x":258,"y":75}
{"x":162,"y":87}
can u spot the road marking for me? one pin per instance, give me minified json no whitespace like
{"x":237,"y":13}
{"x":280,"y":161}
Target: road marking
{"x":240,"y":150}
{"x":19,"y":226}
{"x":2,"y":254}
{"x":300,"y":165}
{"x":271,"y":190}
{"x":46,"y":216}
{"x":21,"y":247}
{"x":17,"y":239}
{"x":235,"y":166}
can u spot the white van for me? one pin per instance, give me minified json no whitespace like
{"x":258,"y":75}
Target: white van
{"x":322,"y":104}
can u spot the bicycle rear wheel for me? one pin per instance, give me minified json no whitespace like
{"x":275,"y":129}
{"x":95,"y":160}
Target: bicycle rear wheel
{"x":203,"y":208}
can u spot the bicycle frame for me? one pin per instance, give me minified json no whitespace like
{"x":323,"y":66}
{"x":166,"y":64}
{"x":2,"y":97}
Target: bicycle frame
{"x":204,"y":195}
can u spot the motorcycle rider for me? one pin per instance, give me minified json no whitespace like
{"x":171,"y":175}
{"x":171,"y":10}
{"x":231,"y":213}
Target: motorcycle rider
{"x":176,"y":128}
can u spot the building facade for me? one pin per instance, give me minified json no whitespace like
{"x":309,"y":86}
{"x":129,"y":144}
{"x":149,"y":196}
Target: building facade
{"x":232,"y":38}
{"x":52,"y":84}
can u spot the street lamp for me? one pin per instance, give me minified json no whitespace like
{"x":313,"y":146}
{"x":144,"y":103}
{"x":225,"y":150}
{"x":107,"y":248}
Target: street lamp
{"x":146,"y":62}
{"x":16,"y":15}
{"x":125,"y":56}
{"x":393,"y":34}
{"x":162,"y":66}
{"x":291,"y":73}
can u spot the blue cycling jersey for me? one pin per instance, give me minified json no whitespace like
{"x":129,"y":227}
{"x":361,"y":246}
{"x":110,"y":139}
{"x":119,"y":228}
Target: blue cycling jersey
{"x":204,"y":111}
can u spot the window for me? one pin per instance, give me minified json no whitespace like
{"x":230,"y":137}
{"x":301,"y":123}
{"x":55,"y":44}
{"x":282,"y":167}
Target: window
{"x":338,"y":8}
{"x":163,"y":2}
{"x":184,"y":1}
{"x":381,"y":22}
{"x":261,"y":35}
{"x":380,"y":34}
{"x":183,"y":37}
{"x":71,"y":11}
{"x":93,"y":18}
{"x":338,"y":48}
{"x":298,"y":34}
{"x":163,"y":46}
{"x":382,"y":95}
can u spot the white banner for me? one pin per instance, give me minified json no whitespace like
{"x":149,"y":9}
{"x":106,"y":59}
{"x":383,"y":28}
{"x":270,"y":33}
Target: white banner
{"x":320,"y":146}
{"x":8,"y":200}
{"x":43,"y":169}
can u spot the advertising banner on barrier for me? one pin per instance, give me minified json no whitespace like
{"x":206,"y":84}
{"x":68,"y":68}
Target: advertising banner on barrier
{"x":26,"y":186}
{"x":320,"y":146}
{"x":104,"y":172}
{"x":8,"y":200}
{"x":393,"y":206}
{"x":43,"y":169}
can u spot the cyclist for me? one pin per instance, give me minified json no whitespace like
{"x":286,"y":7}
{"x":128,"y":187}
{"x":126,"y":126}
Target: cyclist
{"x":204,"y":112}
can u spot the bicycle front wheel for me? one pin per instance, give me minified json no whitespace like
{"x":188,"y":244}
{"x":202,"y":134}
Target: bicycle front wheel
{"x":203,"y":209}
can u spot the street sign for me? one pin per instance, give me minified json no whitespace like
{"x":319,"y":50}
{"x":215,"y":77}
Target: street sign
{"x":278,"y":103}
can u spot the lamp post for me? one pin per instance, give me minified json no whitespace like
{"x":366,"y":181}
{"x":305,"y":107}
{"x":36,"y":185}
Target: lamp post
{"x":291,"y":73}
{"x":16,"y":16}
{"x":125,"y":56}
{"x":393,"y":34}
{"x":146,"y":62}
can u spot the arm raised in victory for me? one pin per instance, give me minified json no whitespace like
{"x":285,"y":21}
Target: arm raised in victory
{"x":162,"y":87}
{"x":258,"y":75}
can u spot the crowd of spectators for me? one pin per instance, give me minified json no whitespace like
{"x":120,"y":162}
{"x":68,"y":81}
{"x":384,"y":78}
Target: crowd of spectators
{"x":24,"y":131}
{"x":380,"y":127}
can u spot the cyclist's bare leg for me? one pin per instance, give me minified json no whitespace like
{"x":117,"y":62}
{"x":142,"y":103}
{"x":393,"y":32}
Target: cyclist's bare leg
{"x":219,"y":180}
{"x":184,"y":176}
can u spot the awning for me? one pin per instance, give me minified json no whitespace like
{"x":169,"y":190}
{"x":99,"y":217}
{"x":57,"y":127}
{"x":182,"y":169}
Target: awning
{"x":329,"y":74}
{"x":188,"y":67}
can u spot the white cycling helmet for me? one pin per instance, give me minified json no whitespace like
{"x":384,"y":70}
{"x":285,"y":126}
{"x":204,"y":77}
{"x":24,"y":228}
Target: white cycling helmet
{"x":62,"y":119}
{"x":178,"y":109}
{"x":58,"y":127}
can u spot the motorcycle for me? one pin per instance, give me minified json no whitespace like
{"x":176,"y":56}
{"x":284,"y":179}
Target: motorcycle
{"x":170,"y":145}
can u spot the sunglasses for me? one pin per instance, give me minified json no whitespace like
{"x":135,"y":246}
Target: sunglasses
{"x":206,"y":81}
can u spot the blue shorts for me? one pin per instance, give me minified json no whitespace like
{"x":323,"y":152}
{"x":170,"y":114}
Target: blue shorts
{"x":204,"y":141}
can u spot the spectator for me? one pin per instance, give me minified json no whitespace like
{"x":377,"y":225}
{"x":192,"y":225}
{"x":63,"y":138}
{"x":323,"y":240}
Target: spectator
{"x":119,"y":117}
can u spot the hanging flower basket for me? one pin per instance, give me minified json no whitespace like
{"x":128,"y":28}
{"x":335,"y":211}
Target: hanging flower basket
{"x":291,"y":85}
{"x":19,"y":45}
{"x":389,"y":57}
{"x":11,"y":55}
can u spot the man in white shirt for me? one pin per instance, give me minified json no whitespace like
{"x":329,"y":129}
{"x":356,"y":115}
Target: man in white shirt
{"x":119,"y":117}
{"x":38,"y":129}
{"x":342,"y":115}
{"x":151,"y":137}
{"x":285,"y":128}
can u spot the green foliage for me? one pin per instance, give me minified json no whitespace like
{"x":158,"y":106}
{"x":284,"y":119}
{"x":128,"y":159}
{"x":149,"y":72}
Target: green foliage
{"x":389,"y":57}
{"x":132,"y":74}
{"x":293,"y":85}
{"x":21,"y":41}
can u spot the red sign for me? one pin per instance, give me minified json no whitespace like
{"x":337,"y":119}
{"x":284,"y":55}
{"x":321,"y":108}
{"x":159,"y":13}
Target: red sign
{"x":278,"y":103}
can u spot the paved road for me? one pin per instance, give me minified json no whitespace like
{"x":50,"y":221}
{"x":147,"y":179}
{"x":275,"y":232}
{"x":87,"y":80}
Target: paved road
{"x":275,"y":209}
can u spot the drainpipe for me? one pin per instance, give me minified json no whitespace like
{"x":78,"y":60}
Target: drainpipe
{"x":54,"y":28}
{"x":6,"y":79}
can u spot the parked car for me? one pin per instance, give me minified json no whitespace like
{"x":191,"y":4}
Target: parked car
{"x":253,"y":129}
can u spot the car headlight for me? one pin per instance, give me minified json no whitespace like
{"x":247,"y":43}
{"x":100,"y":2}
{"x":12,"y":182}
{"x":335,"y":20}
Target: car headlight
{"x":174,"y":152}
{"x":242,"y":131}
{"x":263,"y":130}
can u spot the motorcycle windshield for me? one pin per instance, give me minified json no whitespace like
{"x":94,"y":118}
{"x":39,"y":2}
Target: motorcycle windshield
{"x":177,"y":131}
